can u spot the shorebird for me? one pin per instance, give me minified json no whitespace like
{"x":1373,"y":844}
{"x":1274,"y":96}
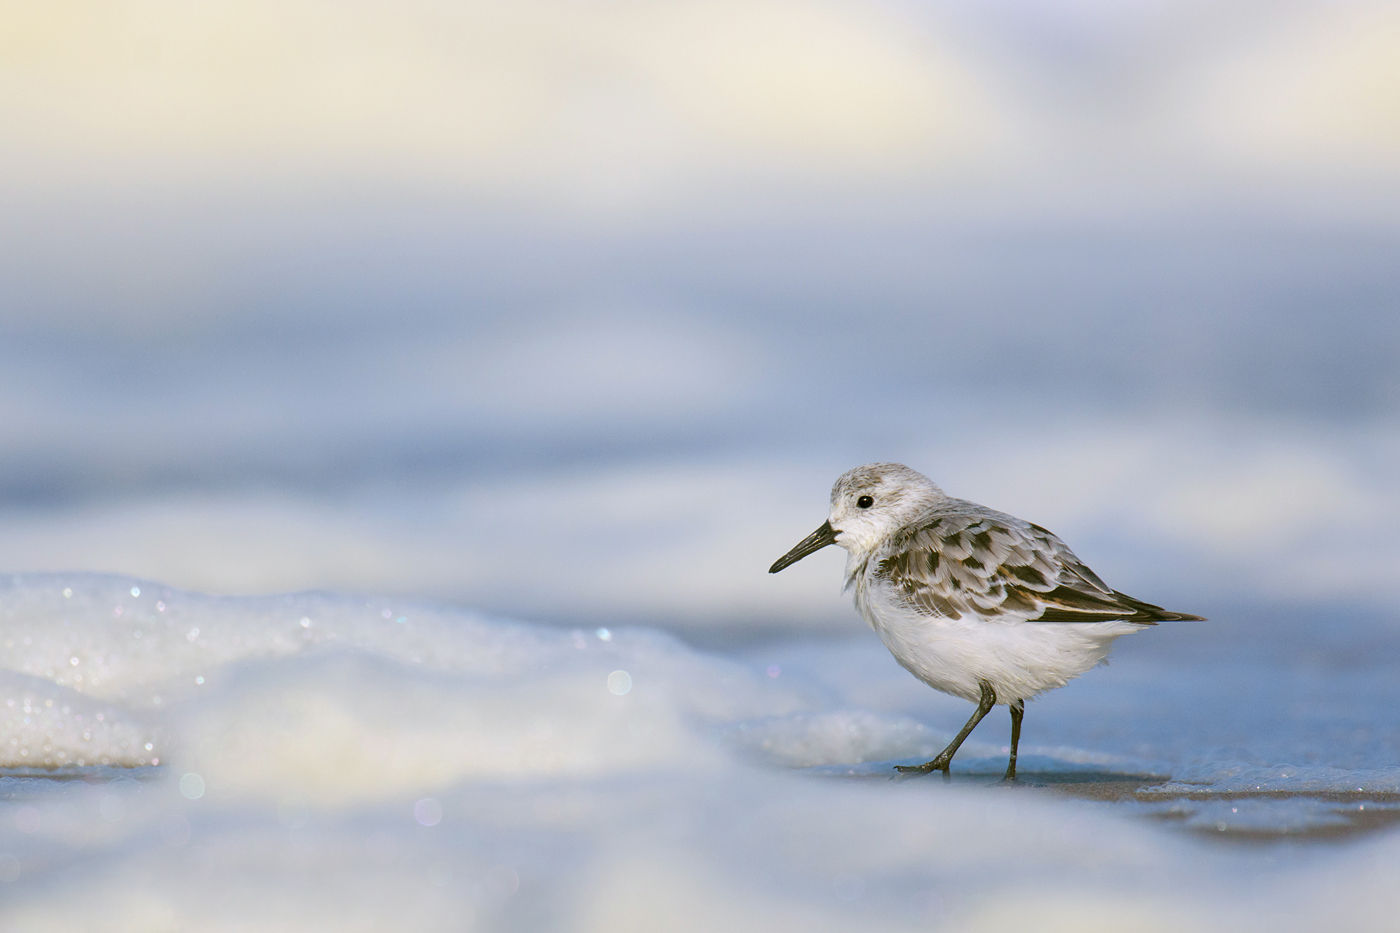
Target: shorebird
{"x":972,"y":601}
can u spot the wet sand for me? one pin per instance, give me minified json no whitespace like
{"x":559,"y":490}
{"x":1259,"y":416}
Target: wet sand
{"x":1111,"y":788}
{"x":1361,"y":812}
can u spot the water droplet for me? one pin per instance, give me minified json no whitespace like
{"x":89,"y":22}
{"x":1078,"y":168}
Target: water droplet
{"x":502,"y":881}
{"x":27,"y":820}
{"x":192,"y":786}
{"x":293,"y":814}
{"x":619,"y":682}
{"x":428,"y":812}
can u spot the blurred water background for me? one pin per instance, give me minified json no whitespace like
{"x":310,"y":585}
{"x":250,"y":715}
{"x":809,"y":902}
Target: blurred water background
{"x":570,"y":312}
{"x":575,"y":310}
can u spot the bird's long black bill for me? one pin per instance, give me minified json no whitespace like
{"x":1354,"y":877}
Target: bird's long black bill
{"x":813,"y":542}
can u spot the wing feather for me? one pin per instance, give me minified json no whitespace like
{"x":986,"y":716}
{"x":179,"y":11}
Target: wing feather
{"x":966,"y":559}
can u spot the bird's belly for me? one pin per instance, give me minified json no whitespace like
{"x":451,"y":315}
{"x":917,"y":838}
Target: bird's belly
{"x":1019,"y":659}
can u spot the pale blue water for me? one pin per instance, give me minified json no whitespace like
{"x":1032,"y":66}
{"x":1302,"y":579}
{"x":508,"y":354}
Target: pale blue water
{"x":1285,"y":700}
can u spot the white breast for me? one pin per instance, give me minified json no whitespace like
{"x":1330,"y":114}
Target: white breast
{"x":1019,"y":659}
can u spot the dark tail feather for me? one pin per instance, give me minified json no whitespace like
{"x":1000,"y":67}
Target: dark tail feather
{"x":1146,"y":612}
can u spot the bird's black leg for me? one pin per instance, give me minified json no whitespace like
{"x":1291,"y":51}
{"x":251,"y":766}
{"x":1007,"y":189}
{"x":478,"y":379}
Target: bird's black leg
{"x":945,"y":757}
{"x":1018,"y":710}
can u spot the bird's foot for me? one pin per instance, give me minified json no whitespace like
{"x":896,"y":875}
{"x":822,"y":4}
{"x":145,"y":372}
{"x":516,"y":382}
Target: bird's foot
{"x":1012,"y":780}
{"x":938,"y":764}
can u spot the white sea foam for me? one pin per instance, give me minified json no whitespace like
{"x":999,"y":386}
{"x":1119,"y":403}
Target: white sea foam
{"x":343,"y":692}
{"x":351,"y":763}
{"x":802,"y":740}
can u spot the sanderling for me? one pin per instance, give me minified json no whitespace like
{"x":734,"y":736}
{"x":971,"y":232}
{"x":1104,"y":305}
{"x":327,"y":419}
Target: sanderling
{"x":971,"y":601}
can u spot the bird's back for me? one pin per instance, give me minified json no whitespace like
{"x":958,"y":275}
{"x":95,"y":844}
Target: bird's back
{"x":960,"y":559}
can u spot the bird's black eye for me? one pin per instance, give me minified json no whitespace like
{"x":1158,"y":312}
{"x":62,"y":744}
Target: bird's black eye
{"x":864,"y":502}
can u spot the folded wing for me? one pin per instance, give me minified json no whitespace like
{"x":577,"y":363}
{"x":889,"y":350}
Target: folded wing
{"x":970,"y":560}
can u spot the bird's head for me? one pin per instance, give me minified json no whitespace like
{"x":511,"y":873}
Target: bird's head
{"x":867,"y":504}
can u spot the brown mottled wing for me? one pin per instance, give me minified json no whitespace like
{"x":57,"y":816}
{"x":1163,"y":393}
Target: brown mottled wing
{"x":972,"y":560}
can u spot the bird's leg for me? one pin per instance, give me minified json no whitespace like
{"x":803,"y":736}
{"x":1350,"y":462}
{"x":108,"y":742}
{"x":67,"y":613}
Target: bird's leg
{"x":945,"y":757}
{"x":1018,"y":710}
